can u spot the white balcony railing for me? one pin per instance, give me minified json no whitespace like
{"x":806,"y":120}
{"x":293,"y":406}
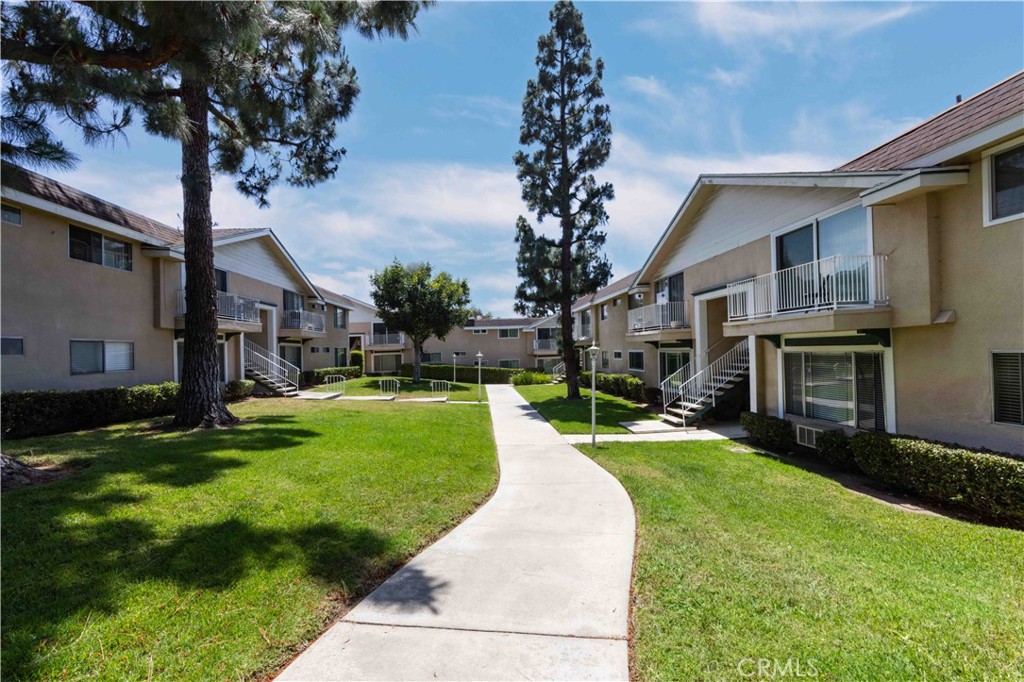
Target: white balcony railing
{"x":826,"y":284}
{"x":387,"y":339}
{"x":581,"y":331}
{"x":229,"y":307}
{"x":304,"y":320}
{"x":545,"y":344}
{"x":657,"y":316}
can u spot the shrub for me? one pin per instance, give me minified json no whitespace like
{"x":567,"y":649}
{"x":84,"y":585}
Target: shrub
{"x":623,"y":385}
{"x":312,"y":377}
{"x":355,"y":358}
{"x":988,"y":484}
{"x":771,"y":432}
{"x":529,"y":378}
{"x":834,"y":448}
{"x":40,"y":413}
{"x":464,"y":373}
{"x":239,"y":389}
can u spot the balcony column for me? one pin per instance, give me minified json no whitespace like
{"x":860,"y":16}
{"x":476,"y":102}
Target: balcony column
{"x":241,"y":355}
{"x":754,"y":378}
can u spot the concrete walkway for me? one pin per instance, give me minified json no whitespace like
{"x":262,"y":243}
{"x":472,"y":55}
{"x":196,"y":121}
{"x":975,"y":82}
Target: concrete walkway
{"x":534,"y":585}
{"x":722,"y":432}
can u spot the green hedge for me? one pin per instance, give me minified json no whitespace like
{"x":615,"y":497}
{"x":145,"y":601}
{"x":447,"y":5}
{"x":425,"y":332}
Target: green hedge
{"x":464,"y":373}
{"x":623,"y":385}
{"x":771,"y":432}
{"x":313,"y":377}
{"x":239,"y":389}
{"x":530,"y":378}
{"x":40,"y":413}
{"x":834,"y":448}
{"x":988,"y":484}
{"x":355,"y":358}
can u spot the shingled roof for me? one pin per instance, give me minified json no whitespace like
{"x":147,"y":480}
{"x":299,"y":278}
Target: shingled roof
{"x":41,"y":187}
{"x":998,"y":103}
{"x":618,"y":286}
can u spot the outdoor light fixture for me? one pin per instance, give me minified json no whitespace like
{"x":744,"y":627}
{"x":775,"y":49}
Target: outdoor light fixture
{"x":593,"y":350}
{"x":479,"y":370}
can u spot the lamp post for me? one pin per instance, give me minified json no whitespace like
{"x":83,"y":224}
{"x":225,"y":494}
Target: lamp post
{"x":453,"y":367}
{"x":479,"y":370}
{"x":593,"y":350}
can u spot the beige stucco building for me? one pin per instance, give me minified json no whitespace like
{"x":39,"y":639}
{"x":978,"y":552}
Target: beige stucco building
{"x":93,"y":297}
{"x":887,"y":294}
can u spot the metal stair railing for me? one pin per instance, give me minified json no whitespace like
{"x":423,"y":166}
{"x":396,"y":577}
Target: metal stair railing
{"x":440,"y":388}
{"x":259,"y":360}
{"x":706,"y":382}
{"x":388,"y":386}
{"x":336,"y":383}
{"x":557,"y":371}
{"x":671,"y":386}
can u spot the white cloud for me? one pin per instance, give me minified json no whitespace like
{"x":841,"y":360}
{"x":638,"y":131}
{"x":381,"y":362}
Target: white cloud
{"x":491,"y":110}
{"x":648,"y":86}
{"x":851,"y":125}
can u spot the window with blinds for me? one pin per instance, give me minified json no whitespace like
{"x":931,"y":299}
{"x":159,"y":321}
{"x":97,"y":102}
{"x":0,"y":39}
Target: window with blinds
{"x":843,"y":388}
{"x":96,"y":357}
{"x":94,"y":247}
{"x":1008,"y":387}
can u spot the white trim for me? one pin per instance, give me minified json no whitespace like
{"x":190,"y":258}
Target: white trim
{"x":681,"y":351}
{"x":915,"y":182}
{"x":986,"y":184}
{"x":241,"y":355}
{"x":752,"y":345}
{"x":643,"y":357}
{"x":964,"y":145}
{"x":700,"y":327}
{"x":889,"y":386}
{"x":780,"y":382}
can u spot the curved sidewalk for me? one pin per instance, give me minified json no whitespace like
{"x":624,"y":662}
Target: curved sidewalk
{"x":534,"y":585}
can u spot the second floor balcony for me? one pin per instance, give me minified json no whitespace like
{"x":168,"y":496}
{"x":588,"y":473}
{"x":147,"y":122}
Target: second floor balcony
{"x":581,"y":330}
{"x":545,"y":345}
{"x":391,"y":339}
{"x":670,"y":315}
{"x":303,"y":320}
{"x":229,"y":307}
{"x":828,"y":284}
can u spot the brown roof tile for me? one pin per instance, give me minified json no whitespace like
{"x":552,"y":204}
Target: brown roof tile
{"x":42,"y":187}
{"x":621,"y":284}
{"x":999,"y":102}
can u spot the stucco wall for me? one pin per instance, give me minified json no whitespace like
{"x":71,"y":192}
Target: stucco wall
{"x":49,"y":299}
{"x":493,"y":347}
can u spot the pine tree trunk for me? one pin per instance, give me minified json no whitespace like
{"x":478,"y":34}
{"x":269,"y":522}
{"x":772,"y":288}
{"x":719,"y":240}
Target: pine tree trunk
{"x":417,"y":351}
{"x":572,"y":372}
{"x":200,"y":402}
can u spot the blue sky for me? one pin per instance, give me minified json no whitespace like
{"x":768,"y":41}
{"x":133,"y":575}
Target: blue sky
{"x":693,"y":87}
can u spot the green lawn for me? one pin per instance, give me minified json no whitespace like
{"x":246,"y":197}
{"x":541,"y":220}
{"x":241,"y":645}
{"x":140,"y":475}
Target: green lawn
{"x":216,"y":554}
{"x":371,"y":386}
{"x":573,"y":416}
{"x":741,"y":557}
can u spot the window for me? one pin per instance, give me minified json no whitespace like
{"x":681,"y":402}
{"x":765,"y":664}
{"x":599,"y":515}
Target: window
{"x":636,"y":360}
{"x":843,"y":388}
{"x":508,"y":364}
{"x":430,"y":358}
{"x":314,"y":349}
{"x":10,"y":214}
{"x":617,"y":354}
{"x":508,"y":333}
{"x":96,"y":357}
{"x":222,"y":279}
{"x":459,"y":353}
{"x":1008,"y":387}
{"x":1003,"y":179}
{"x":840,"y":234}
{"x":479,"y":331}
{"x":340,"y":357}
{"x":94,"y":247}
{"x":11,"y":345}
{"x":604,"y":311}
{"x":340,"y":319}
{"x":616,"y":303}
{"x":294,"y":301}
{"x":604,"y":359}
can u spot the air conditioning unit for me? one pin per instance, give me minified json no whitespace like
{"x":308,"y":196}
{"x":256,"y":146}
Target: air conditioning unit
{"x":808,"y":436}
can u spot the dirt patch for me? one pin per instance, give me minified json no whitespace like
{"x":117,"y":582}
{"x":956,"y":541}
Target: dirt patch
{"x":16,"y":474}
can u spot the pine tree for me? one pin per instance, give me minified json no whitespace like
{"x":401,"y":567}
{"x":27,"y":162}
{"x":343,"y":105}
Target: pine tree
{"x":254,"y":86}
{"x":410,"y":299}
{"x":566,"y":136}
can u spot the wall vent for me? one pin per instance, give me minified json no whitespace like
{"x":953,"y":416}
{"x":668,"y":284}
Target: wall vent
{"x":807,"y":436}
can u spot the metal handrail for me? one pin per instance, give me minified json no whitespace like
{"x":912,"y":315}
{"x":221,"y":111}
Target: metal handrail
{"x":396,"y":339}
{"x":229,"y":306}
{"x":669,"y":315}
{"x":389,"y":386}
{"x":671,"y":386}
{"x":708,"y":380}
{"x":333,"y":380}
{"x":440,"y":388}
{"x":303,"y":319}
{"x":825,"y":284}
{"x":558,"y":370}
{"x":259,"y":359}
{"x":545,"y":344}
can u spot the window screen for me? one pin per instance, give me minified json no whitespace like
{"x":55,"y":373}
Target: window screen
{"x":11,"y":214}
{"x":86,"y":357}
{"x":1008,"y":183}
{"x":119,"y":356}
{"x":1008,"y":387}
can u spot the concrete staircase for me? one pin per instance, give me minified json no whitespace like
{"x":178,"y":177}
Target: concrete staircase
{"x":688,"y":397}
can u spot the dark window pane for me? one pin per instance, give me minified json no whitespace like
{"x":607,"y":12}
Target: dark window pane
{"x":1008,"y":387}
{"x":794,"y":386}
{"x":1008,"y":183}
{"x":86,"y":357}
{"x":795,"y":248}
{"x":222,"y":279}
{"x":85,"y":245}
{"x":12,"y":346}
{"x":870,"y":391}
{"x":11,"y":214}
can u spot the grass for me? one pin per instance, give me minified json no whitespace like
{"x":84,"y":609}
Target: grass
{"x":217,"y":554}
{"x":741,"y":557}
{"x":408,"y":389}
{"x":573,"y":416}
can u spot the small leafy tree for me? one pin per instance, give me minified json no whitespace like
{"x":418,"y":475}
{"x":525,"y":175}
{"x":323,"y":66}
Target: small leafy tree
{"x":566,"y":136}
{"x":255,"y":85}
{"x":409,"y":299}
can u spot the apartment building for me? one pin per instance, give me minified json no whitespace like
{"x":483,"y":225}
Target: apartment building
{"x":93,"y":296}
{"x":519,"y":342}
{"x":602,"y":319}
{"x":885,"y":294}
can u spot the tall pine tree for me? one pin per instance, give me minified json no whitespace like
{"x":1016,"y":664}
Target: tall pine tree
{"x":566,"y":136}
{"x":253,"y":85}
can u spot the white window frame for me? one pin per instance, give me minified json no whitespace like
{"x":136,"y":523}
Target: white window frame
{"x":604,"y":311}
{"x":629,"y":361}
{"x":103,"y":345}
{"x":987,"y":161}
{"x":510,"y":363}
{"x":616,"y":354}
{"x":479,"y":331}
{"x":508,"y":333}
{"x":813,"y":222}
{"x":21,"y":215}
{"x":103,"y":249}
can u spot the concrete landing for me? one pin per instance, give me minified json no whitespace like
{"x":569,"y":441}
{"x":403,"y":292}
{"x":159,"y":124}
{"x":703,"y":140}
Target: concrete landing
{"x":534,"y":585}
